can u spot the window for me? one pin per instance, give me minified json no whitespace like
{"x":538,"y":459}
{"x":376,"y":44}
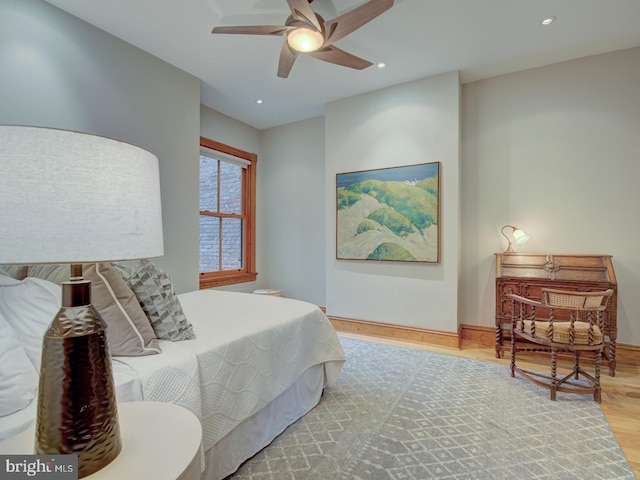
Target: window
{"x":227,"y":214}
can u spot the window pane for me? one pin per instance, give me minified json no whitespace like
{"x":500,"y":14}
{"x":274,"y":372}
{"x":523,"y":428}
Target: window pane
{"x":209,"y":244}
{"x":208,"y":184}
{"x":230,"y":188}
{"x":232,"y":244}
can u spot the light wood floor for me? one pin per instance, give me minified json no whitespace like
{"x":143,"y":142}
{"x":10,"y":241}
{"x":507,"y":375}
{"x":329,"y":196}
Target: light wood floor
{"x":620,"y":394}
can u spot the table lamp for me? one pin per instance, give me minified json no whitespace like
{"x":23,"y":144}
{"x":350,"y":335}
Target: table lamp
{"x":70,"y":197}
{"x":518,"y":235}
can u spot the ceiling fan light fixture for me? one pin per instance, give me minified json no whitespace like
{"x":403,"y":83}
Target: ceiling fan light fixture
{"x":305,"y":40}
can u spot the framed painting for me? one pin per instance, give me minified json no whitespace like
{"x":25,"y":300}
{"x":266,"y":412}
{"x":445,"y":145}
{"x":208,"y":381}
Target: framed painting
{"x":389,"y":214}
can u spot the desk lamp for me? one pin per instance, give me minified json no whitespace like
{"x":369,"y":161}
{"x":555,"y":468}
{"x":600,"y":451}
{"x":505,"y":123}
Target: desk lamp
{"x":518,"y":235}
{"x":70,"y":197}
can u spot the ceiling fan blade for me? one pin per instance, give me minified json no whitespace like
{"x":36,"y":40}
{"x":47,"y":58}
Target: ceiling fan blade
{"x":333,"y":54}
{"x":346,"y":23}
{"x":301,"y":10}
{"x":254,"y":30}
{"x":287,"y":56}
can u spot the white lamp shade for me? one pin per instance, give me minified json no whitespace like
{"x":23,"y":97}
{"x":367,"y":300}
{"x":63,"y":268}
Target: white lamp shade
{"x":520,"y":237}
{"x":70,"y":197}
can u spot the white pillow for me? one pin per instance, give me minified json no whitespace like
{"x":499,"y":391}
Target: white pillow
{"x":18,"y":377}
{"x":29,"y":306}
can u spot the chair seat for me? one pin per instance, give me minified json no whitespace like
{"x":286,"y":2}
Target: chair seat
{"x":561,"y":332}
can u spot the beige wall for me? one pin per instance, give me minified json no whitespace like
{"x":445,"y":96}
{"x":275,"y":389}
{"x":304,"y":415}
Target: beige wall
{"x":556,"y":151}
{"x":416,"y":122}
{"x":292,"y":210}
{"x":58,"y":71}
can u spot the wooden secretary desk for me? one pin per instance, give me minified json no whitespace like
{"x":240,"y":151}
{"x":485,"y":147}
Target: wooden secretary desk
{"x":527,"y":274}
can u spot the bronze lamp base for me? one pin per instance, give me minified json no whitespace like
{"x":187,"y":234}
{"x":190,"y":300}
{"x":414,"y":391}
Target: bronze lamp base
{"x":77,"y":411}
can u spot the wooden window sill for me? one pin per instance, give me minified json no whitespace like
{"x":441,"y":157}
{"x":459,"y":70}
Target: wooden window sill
{"x":232,"y":279}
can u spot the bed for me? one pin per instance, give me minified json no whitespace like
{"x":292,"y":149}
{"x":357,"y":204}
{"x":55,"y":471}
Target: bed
{"x":257,"y":364}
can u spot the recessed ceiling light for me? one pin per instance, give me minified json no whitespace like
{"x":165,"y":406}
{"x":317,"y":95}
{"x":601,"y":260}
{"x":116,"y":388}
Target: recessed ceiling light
{"x":381,"y":65}
{"x":258,"y":100}
{"x":548,"y":20}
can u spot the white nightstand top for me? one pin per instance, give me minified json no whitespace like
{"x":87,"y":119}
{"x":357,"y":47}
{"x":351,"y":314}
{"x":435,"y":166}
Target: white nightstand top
{"x":159,"y":440}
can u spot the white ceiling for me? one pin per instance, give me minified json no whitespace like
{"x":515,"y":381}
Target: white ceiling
{"x":415,"y":38}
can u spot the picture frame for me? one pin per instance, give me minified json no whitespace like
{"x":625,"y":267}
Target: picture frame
{"x":389,"y":214}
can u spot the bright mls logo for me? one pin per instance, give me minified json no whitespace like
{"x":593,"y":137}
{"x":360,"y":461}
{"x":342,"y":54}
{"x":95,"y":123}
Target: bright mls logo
{"x":50,"y":467}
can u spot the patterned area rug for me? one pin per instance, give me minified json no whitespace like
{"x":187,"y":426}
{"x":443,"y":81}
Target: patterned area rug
{"x":398,"y":413}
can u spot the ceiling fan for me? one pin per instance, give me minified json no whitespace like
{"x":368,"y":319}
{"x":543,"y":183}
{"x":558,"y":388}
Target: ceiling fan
{"x":307,"y":32}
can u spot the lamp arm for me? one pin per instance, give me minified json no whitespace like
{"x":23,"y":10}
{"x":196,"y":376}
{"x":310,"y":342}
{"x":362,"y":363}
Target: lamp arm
{"x":509,"y":248}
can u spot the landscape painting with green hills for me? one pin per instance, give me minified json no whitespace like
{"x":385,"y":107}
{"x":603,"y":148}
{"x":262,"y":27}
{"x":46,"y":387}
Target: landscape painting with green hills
{"x":389,"y":214}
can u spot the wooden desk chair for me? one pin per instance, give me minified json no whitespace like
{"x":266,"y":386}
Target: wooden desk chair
{"x":563,"y":322}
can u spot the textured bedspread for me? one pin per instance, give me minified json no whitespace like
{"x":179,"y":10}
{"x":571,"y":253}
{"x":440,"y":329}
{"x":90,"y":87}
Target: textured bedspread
{"x":249,"y":349}
{"x":172,"y":376}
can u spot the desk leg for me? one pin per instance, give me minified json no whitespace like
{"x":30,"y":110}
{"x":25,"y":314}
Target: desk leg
{"x":498,"y":339}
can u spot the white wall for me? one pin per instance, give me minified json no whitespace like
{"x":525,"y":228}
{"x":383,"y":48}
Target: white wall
{"x":58,"y":71}
{"x":293,"y":210}
{"x":556,"y":151}
{"x":416,"y":122}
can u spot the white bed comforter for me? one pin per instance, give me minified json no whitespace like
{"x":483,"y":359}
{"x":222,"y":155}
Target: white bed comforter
{"x":249,"y":349}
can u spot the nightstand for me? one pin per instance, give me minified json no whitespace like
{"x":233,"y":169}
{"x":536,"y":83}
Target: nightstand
{"x":159,"y":440}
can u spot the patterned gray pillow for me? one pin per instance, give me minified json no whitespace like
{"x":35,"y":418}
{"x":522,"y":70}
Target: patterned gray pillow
{"x":155,"y":293}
